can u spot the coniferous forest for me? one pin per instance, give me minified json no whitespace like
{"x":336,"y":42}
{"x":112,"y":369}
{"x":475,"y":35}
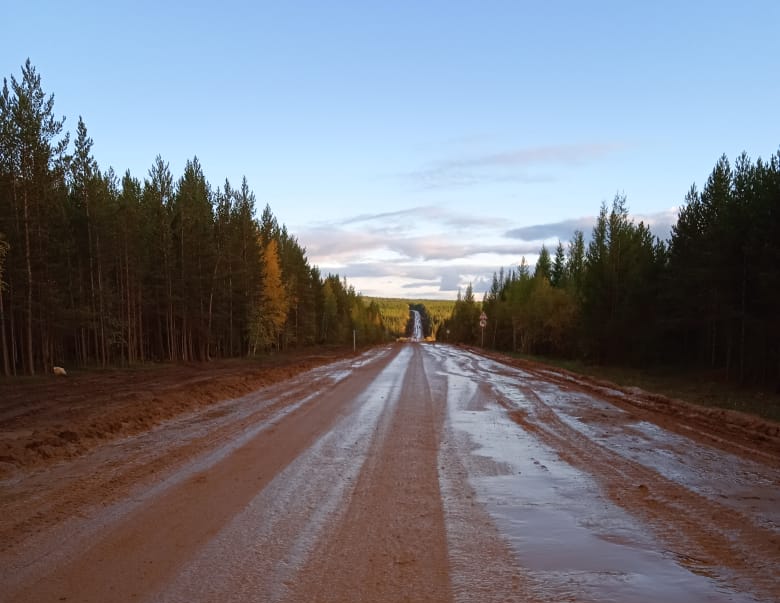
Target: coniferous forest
{"x":709,"y":297}
{"x":98,"y":269}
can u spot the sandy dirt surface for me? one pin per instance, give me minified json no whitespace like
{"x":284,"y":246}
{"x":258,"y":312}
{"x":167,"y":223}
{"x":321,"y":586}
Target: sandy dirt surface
{"x":412,"y":472}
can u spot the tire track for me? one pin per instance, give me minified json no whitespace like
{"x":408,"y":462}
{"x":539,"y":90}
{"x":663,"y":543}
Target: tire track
{"x":129,"y":552}
{"x":391,"y":543}
{"x":700,"y":533}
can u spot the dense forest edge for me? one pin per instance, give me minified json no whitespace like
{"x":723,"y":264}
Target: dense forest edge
{"x":100,"y":270}
{"x":706,"y":299}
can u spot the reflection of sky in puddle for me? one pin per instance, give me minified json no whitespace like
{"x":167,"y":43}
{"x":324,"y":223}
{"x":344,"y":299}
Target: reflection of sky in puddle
{"x":709,"y":472}
{"x":573,"y":540}
{"x":712,"y":473}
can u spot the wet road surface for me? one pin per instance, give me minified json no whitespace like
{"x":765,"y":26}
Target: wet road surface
{"x":410,"y":473}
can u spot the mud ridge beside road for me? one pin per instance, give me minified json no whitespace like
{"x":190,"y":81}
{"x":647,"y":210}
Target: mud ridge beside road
{"x":52,"y":419}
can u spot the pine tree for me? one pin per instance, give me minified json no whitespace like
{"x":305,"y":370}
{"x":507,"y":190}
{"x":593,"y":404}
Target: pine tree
{"x":6,"y":358}
{"x":543,"y":268}
{"x":32,"y":161}
{"x":558,"y":274}
{"x":620,"y":286}
{"x":130,"y":252}
{"x":159,"y":259}
{"x":575,"y":263}
{"x":85,"y":184}
{"x":464,"y":323}
{"x":195,"y":257}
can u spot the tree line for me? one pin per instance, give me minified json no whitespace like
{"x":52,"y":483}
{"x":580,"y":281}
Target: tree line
{"x":98,"y":269}
{"x":707,"y":297}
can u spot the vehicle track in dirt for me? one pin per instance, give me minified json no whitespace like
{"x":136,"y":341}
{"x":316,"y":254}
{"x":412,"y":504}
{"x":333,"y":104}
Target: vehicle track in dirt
{"x":390,"y":544}
{"x":407,"y":473}
{"x":731,"y":430}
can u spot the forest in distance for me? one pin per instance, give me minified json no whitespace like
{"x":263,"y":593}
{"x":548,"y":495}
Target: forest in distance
{"x":98,"y":269}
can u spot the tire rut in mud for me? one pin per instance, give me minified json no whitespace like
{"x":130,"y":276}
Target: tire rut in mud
{"x":698,"y":531}
{"x":390,"y":544}
{"x":136,"y":553}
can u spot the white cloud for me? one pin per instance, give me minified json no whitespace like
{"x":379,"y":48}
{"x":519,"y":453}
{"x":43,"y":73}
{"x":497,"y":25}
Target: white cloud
{"x":421,"y":252}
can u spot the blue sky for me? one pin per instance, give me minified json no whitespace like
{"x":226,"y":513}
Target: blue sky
{"x":415,"y":147}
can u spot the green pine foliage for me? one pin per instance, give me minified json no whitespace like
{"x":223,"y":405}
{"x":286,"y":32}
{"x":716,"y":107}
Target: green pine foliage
{"x":722,"y":285}
{"x":96,"y":270}
{"x":708,"y":297}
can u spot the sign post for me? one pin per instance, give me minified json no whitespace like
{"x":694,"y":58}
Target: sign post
{"x":483,"y":324}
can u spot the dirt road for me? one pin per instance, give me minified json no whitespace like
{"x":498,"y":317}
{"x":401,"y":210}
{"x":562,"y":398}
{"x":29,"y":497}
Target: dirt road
{"x":409,"y":473}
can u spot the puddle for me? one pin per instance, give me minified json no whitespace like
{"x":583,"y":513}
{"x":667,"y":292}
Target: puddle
{"x":571,"y":540}
{"x":709,"y":472}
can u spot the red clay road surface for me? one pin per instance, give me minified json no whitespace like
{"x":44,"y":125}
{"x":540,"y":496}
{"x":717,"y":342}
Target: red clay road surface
{"x":412,"y":472}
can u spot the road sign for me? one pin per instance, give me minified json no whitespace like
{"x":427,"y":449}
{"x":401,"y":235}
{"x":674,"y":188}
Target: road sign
{"x":483,"y":320}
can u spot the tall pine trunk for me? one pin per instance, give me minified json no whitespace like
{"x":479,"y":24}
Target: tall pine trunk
{"x":743,"y":308}
{"x":14,"y":343}
{"x":101,"y":307}
{"x":29,"y":308}
{"x":6,"y":359}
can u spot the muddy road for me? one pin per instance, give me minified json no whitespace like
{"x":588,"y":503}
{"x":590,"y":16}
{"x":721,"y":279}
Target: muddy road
{"x":409,"y":473}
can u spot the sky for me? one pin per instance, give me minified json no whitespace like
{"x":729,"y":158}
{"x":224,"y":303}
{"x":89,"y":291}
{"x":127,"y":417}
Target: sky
{"x":417,"y":147}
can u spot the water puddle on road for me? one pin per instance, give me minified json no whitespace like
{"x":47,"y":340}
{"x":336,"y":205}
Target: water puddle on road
{"x":712,"y":473}
{"x":572,"y":541}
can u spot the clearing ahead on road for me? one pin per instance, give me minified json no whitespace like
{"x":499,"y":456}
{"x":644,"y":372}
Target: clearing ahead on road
{"x":409,"y":473}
